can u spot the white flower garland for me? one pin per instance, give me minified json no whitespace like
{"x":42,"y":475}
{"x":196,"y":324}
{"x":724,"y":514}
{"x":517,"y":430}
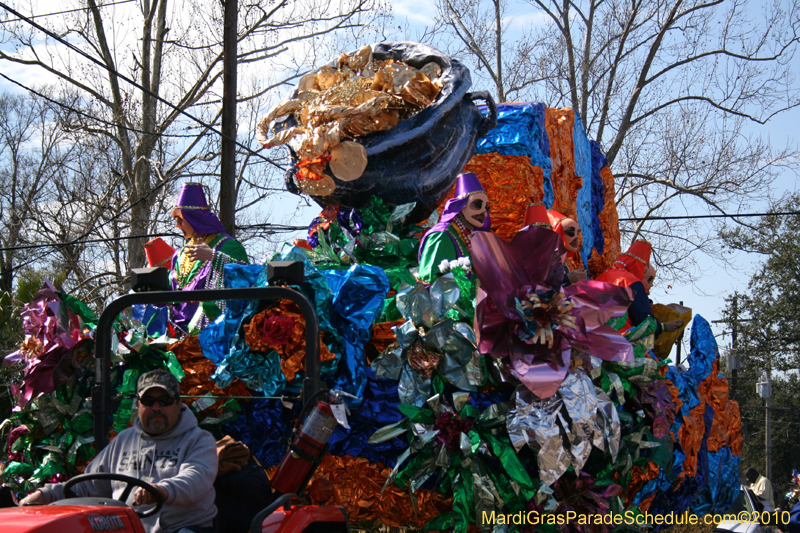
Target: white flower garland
{"x":446,"y":266}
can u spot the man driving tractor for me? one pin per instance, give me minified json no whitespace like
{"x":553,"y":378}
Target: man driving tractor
{"x":166,"y":448}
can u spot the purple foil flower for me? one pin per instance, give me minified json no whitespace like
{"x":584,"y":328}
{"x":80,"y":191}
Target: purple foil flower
{"x":510,"y":272}
{"x":51,"y":332}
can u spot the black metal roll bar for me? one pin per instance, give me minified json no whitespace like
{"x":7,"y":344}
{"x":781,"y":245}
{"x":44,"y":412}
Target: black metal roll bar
{"x":101,"y":397}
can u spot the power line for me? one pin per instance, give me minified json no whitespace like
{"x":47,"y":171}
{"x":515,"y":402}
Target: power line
{"x":78,"y":240}
{"x":69,"y":11}
{"x":91,"y":117}
{"x":288,"y":228}
{"x":271,"y":227}
{"x":135,"y":84}
{"x":721,"y":215}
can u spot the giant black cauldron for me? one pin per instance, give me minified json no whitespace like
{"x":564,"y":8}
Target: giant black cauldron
{"x":419,"y":159}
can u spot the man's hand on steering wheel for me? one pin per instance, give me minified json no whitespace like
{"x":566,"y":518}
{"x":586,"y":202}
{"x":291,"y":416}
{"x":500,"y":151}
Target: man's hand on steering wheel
{"x":144,"y":497}
{"x":155,"y":493}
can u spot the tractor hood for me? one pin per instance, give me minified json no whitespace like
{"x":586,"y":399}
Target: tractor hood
{"x":72,"y":518}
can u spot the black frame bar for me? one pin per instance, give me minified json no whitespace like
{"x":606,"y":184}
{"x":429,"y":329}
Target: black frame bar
{"x":101,"y":393}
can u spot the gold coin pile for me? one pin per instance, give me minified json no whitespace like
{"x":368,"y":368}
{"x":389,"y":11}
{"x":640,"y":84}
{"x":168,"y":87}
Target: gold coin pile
{"x":333,"y":104}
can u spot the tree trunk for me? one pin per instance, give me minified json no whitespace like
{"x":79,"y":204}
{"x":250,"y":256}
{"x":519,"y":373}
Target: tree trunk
{"x":227,"y":182}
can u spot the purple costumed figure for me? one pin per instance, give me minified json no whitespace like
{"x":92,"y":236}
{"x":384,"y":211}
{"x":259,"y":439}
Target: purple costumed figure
{"x":200,"y":263}
{"x":449,"y":239}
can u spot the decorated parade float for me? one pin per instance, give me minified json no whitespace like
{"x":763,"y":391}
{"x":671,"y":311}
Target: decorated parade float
{"x":487,"y":391}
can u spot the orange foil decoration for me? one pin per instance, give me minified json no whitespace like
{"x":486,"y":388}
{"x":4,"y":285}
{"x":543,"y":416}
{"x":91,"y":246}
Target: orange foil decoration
{"x":675,"y":394}
{"x":512,"y":184}
{"x":357,"y":485}
{"x":691,"y":437}
{"x":640,"y":476}
{"x":197,"y":379}
{"x":382,"y":337}
{"x":266,"y":332}
{"x":559,"y":123}
{"x":726,"y":428}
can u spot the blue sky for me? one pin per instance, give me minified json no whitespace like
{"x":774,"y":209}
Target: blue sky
{"x":706,"y":296}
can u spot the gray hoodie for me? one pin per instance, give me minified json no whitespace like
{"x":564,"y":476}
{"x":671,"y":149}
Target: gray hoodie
{"x":183,"y":460}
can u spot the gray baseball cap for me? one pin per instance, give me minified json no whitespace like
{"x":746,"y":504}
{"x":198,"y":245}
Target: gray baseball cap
{"x":158,"y":378}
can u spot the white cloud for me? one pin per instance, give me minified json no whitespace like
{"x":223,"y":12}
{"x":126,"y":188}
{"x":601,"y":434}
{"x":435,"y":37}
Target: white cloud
{"x":525,"y":18}
{"x":419,"y":12}
{"x":27,"y":75}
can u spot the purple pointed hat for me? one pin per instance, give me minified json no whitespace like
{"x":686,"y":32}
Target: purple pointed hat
{"x":195,"y":210}
{"x":467,"y":185}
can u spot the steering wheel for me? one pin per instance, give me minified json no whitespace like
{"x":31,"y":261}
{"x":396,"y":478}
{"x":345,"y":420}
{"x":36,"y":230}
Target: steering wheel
{"x":130,"y":483}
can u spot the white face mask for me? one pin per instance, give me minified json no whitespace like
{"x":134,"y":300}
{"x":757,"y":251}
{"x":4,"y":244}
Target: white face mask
{"x":572,"y":234}
{"x":182,"y":224}
{"x":476,"y":210}
{"x":649,"y":278}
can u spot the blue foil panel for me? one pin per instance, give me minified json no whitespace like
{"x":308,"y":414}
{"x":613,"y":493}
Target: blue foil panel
{"x":357,"y":296}
{"x":599,"y":162}
{"x":723,"y":483}
{"x":540,"y":155}
{"x":583,"y":169}
{"x":515,"y":133}
{"x":703,"y":350}
{"x":728,"y":480}
{"x":687,"y":392}
{"x":521,"y":130}
{"x":379,"y":409}
{"x":261,"y":425}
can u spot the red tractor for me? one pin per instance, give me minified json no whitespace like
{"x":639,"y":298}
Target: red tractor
{"x":286,"y":514}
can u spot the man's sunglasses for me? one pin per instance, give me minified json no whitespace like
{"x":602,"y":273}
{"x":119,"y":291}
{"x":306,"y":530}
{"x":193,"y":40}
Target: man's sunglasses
{"x":163,"y":401}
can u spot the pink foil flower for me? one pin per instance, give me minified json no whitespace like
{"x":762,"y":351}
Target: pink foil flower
{"x":531,"y":264}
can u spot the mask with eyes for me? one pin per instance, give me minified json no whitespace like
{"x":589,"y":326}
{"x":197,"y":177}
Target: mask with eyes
{"x":476,"y":210}
{"x":649,"y":278}
{"x":182,"y":224}
{"x":572,"y":234}
{"x":568,"y":229}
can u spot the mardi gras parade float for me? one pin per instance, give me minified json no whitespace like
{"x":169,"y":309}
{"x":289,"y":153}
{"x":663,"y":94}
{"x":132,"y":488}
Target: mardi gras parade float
{"x":475,"y":383}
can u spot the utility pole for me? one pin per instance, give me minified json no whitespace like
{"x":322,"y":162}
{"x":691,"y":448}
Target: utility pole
{"x":768,"y":429}
{"x":733,"y":362}
{"x":767,"y":421}
{"x":735,"y":370}
{"x":764,"y":389}
{"x":227,"y":181}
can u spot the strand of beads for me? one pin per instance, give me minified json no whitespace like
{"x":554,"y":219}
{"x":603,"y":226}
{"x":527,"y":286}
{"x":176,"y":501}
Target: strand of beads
{"x":216,"y":277}
{"x":463,"y":232}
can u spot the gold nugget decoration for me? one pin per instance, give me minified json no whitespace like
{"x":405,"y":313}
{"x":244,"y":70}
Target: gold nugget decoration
{"x":332,"y":105}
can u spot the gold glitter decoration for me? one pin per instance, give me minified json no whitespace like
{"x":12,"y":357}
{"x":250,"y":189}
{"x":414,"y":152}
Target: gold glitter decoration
{"x":357,"y":97}
{"x":31,"y":348}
